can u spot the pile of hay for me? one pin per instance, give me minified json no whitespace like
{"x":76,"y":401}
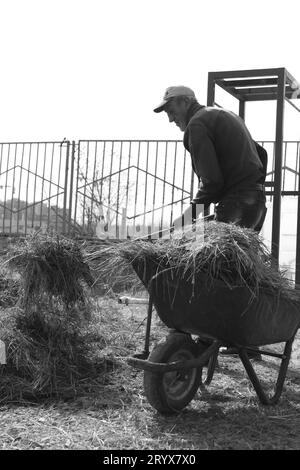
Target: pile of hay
{"x":51,"y":267}
{"x":9,"y":290}
{"x":235,"y":255}
{"x":51,"y":343}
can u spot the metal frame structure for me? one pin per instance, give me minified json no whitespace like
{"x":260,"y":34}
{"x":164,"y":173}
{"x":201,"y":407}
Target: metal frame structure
{"x":264,"y":85}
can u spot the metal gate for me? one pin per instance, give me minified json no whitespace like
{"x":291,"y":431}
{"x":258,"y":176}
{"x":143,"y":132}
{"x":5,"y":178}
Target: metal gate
{"x":34,"y":181}
{"x":129,"y":186}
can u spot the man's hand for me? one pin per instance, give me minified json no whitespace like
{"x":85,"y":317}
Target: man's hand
{"x":188,"y":216}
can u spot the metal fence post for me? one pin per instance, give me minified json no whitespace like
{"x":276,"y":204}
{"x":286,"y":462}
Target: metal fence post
{"x":278,"y":166}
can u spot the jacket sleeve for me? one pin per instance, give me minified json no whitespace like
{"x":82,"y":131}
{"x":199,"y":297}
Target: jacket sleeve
{"x":205,"y":164}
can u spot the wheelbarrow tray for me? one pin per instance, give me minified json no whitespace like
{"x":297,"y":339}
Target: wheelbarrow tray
{"x":214,"y":310}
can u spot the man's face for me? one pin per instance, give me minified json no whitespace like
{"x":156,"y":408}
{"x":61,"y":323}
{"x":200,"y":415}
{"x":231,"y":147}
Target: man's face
{"x":177,"y":111}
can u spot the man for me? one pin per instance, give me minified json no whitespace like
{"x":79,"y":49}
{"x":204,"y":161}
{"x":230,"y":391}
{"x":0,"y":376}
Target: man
{"x":224,"y":157}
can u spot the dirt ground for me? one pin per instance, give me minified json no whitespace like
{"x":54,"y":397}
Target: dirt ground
{"x":223,"y":416}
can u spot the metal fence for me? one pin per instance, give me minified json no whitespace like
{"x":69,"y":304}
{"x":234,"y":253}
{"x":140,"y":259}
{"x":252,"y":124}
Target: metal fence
{"x":34,"y":179}
{"x":144,"y":182}
{"x":149,"y":182}
{"x":83,"y":187}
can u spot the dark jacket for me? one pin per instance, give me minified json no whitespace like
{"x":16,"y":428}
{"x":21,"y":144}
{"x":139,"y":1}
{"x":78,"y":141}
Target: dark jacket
{"x":224,"y":155}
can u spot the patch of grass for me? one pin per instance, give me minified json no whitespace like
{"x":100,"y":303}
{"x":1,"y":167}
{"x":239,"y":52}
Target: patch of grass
{"x":224,"y":415}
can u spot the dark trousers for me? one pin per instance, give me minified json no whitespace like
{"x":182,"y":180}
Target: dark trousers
{"x":246,"y":209}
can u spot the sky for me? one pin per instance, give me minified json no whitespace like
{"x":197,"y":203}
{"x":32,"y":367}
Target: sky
{"x":95,"y":69}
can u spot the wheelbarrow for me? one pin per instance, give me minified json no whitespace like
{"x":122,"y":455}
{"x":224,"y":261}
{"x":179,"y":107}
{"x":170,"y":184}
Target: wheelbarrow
{"x":200,"y":324}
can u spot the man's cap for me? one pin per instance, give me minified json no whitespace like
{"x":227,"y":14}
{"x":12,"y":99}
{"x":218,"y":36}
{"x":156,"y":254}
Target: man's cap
{"x":171,"y":92}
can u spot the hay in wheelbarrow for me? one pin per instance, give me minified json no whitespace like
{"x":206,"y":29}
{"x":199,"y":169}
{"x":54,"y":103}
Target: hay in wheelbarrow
{"x":48,"y":333}
{"x":235,"y":255}
{"x":101,"y":258}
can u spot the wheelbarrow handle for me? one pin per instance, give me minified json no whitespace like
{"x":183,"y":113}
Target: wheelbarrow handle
{"x":179,"y":365}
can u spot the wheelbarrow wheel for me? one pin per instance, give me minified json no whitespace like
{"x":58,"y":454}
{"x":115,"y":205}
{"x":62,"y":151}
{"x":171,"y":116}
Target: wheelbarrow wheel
{"x":170,"y":392}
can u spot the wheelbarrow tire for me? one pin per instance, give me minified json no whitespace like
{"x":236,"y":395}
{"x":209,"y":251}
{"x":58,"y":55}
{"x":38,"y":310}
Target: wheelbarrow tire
{"x":170,"y":392}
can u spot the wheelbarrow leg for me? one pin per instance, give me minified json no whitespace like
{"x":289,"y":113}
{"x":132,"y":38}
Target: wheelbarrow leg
{"x":212,"y":363}
{"x":212,"y":360}
{"x":263,"y":397}
{"x":146,"y":351}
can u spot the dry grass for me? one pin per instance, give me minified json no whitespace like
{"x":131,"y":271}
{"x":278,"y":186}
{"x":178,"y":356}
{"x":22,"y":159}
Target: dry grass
{"x":50,"y":266}
{"x":226,"y":252}
{"x":52,"y":334}
{"x":225,"y":415}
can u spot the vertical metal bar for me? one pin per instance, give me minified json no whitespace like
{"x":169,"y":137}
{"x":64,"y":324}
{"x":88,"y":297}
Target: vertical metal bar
{"x":128,"y":177}
{"x":137,"y":180}
{"x":297,"y":168}
{"x":85,"y":179}
{"x":154,"y":189}
{"x":13,"y":189}
{"x":109,"y":182}
{"x":242,"y":109}
{"x":284,"y":167}
{"x":273,"y":173}
{"x":59,"y":173}
{"x":42,"y":191}
{"x":102,"y":172}
{"x":183,"y":179}
{"x":210,"y":90}
{"x":50,"y":186}
{"x":77,"y":182}
{"x":5,"y":190}
{"x":27,"y":187}
{"x":71,"y":186}
{"x":192,"y":185}
{"x":66,"y":189}
{"x":273,"y":163}
{"x":118,"y":191}
{"x":35,"y":178}
{"x":174,"y":170}
{"x":94,"y":182}
{"x":20,"y":184}
{"x":164,"y":186}
{"x":146,"y":185}
{"x":1,"y":157}
{"x":278,"y":165}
